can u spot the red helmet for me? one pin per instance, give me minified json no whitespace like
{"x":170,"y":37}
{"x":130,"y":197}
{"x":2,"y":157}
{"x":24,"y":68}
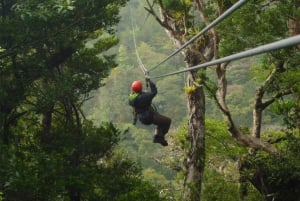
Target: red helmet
{"x":137,"y":86}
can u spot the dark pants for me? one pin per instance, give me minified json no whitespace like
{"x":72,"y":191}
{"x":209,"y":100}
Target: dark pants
{"x":162,"y":122}
{"x":153,"y":117}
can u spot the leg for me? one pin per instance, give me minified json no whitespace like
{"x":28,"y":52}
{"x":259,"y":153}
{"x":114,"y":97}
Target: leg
{"x":163,"y":124}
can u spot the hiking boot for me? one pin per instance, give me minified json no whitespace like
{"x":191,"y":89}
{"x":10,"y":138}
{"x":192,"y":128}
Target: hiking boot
{"x":161,"y":140}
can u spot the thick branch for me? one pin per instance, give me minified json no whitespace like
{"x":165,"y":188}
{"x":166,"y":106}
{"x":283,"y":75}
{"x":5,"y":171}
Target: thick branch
{"x":276,"y":97}
{"x":157,"y":18}
{"x":223,"y":110}
{"x":258,"y":109}
{"x":220,"y":98}
{"x":260,"y":106}
{"x":242,"y":139}
{"x":200,"y":6}
{"x":222,"y":84}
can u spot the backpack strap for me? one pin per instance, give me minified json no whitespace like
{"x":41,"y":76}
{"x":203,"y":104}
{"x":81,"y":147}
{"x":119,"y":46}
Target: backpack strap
{"x":132,"y":97}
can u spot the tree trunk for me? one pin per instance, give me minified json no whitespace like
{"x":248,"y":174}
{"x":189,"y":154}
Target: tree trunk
{"x":195,"y":159}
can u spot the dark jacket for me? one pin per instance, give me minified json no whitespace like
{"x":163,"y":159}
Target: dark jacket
{"x":144,"y":99}
{"x":142,"y":104}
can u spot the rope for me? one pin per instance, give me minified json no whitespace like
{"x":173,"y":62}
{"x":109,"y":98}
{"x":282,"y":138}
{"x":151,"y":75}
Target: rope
{"x":258,"y":50}
{"x":140,"y":63}
{"x":212,"y":24}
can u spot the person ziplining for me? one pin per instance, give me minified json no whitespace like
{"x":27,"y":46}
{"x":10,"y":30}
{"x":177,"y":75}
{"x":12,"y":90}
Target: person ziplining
{"x":141,"y":102}
{"x":144,"y":111}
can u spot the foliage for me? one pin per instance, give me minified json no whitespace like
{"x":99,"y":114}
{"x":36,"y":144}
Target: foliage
{"x":217,"y":188}
{"x":177,"y":9}
{"x":101,"y":174}
{"x":190,"y":89}
{"x":280,"y":172}
{"x":275,"y":75}
{"x":48,"y":150}
{"x":221,"y":175}
{"x":240,"y":31}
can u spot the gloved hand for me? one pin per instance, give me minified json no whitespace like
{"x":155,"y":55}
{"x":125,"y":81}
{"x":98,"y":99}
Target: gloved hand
{"x":147,"y":77}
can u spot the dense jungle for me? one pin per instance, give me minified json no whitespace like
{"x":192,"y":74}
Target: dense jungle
{"x":66,"y":128}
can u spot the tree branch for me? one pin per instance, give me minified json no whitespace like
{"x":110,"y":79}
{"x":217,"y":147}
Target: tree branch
{"x":277,"y":96}
{"x":242,"y":139}
{"x":157,"y":18}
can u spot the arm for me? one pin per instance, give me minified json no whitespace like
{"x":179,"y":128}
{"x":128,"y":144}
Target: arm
{"x":152,"y":87}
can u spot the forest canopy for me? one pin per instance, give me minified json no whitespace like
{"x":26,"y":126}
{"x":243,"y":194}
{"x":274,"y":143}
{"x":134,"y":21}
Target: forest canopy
{"x":66,"y":128}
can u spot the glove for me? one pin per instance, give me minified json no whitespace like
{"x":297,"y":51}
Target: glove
{"x":147,"y":78}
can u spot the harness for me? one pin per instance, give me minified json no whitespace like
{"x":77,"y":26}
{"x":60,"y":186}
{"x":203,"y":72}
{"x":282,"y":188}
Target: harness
{"x":145,"y":115}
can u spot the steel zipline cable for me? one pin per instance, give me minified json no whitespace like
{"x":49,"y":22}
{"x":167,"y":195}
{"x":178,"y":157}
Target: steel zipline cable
{"x":140,"y":63}
{"x":212,"y":24}
{"x":292,"y":41}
